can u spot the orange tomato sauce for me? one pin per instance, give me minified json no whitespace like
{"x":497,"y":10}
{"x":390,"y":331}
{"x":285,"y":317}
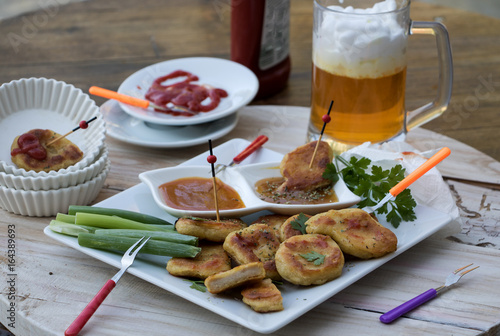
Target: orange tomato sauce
{"x":197,"y":193}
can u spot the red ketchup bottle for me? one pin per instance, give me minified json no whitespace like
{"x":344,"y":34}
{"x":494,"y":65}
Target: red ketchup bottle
{"x":260,"y":41}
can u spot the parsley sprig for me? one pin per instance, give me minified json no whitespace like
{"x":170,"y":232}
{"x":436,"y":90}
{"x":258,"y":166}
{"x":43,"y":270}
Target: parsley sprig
{"x":299,"y":223}
{"x":314,"y":257}
{"x":373,"y":184}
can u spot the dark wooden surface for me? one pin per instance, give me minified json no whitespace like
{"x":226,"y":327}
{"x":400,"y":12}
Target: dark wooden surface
{"x":103,"y":42}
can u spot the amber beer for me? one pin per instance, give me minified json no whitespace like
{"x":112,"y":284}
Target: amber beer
{"x":359,"y":60}
{"x":364,"y":109}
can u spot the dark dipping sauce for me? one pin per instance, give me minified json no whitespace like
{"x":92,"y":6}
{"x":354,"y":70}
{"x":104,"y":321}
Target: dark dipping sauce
{"x":197,"y":193}
{"x":268,"y":191}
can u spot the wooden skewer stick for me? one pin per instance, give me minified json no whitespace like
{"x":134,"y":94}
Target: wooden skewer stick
{"x":212,"y":159}
{"x":326,"y":119}
{"x":83,"y":124}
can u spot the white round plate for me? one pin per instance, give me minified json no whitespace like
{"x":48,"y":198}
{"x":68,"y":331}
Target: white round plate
{"x":240,"y":83}
{"x":123,"y":127}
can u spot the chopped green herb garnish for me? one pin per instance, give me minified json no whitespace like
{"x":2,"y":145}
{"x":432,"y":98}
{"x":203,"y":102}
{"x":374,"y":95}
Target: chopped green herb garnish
{"x":314,"y":257}
{"x":299,"y":223}
{"x":199,"y":285}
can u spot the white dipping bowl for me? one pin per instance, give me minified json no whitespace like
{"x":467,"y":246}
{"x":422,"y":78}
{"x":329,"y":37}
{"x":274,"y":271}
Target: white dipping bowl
{"x":243,"y":180}
{"x":31,"y":103}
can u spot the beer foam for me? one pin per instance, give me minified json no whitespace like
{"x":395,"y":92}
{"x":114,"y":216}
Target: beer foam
{"x":361,"y":46}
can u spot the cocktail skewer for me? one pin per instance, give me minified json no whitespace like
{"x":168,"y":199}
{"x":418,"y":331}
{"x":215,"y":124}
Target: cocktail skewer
{"x":83,"y":125}
{"x":105,"y":93}
{"x":212,"y":159}
{"x":326,"y":119}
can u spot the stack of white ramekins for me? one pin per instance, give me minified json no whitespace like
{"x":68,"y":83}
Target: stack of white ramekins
{"x":42,"y":103}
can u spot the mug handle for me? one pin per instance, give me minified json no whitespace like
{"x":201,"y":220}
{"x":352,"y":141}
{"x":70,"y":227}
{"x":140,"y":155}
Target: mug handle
{"x":434,"y":109}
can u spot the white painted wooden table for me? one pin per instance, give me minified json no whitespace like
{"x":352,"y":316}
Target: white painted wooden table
{"x":53,"y":282}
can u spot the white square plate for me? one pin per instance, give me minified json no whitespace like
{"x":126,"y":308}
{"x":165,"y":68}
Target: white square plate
{"x":296,"y":300}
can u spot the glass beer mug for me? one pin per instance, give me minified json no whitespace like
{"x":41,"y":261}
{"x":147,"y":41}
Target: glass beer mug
{"x":359,"y":62}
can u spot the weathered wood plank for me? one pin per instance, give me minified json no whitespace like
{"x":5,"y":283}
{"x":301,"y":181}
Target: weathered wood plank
{"x":479,"y":209}
{"x":464,"y":160}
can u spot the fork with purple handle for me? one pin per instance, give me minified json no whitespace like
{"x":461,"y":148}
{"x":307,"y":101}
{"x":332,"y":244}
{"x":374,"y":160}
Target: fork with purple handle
{"x":424,"y":297}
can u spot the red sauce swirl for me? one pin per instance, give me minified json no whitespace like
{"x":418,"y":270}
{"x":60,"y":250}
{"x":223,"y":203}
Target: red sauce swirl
{"x":30,"y":145}
{"x":184,"y":93}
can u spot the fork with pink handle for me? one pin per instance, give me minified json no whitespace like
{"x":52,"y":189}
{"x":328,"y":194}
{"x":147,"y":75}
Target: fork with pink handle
{"x":86,"y":314}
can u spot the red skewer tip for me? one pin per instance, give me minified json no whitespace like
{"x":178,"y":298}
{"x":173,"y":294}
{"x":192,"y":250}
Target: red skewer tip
{"x":212,"y":159}
{"x":83,"y":124}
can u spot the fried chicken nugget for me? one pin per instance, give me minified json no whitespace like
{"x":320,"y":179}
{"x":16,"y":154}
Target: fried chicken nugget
{"x":295,"y":167}
{"x":310,"y":259}
{"x":263,"y":296}
{"x":287,"y":230}
{"x":355,"y":231}
{"x":208,"y":229}
{"x":211,"y":260}
{"x":273,"y":221}
{"x":272,"y":270}
{"x":235,"y":277}
{"x":254,"y":243}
